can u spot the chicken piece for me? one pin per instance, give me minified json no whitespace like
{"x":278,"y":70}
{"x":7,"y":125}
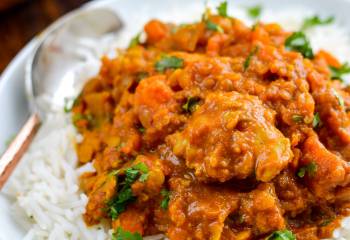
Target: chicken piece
{"x":232,"y":135}
{"x":330,"y":170}
{"x":198,"y":211}
{"x":261,"y":210}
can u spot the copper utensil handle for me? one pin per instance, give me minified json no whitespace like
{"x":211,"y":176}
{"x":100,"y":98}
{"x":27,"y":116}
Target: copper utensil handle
{"x":17,"y":148}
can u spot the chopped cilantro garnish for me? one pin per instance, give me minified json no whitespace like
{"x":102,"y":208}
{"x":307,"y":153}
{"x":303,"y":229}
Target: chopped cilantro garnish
{"x":254,"y":26}
{"x":281,"y":235}
{"x":298,"y":42}
{"x":166,"y":198}
{"x":121,"y":234}
{"x":339,"y":98}
{"x":337,"y":73}
{"x":141,"y":75}
{"x":249,"y":58}
{"x":206,"y":14}
{"x":213,"y":26}
{"x":144,"y":170}
{"x":142,"y":129}
{"x":191,"y":104}
{"x":168,"y":62}
{"x":143,"y":177}
{"x":69,"y":104}
{"x":118,"y":204}
{"x":297,"y":118}
{"x":78,"y":117}
{"x":124,"y":195}
{"x":135,"y":41}
{"x":255,"y":11}
{"x":310,"y":169}
{"x":316,"y":122}
{"x":316,"y":21}
{"x":222,"y":9}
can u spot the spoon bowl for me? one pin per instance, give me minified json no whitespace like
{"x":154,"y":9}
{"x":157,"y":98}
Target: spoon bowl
{"x":50,"y":79}
{"x":50,"y":72}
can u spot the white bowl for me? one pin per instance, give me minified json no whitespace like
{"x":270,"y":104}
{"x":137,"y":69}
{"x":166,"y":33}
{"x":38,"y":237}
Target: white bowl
{"x":134,"y":13}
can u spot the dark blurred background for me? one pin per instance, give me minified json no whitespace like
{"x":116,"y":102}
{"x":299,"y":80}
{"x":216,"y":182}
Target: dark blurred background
{"x":21,"y":20}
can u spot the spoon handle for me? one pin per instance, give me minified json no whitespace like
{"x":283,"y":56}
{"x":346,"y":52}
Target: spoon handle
{"x":17,"y":148}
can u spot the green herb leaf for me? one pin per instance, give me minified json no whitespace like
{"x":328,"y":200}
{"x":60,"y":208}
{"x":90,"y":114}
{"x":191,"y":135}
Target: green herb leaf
{"x":298,"y":118}
{"x":143,"y":177}
{"x":191,"y":105}
{"x":120,"y":234}
{"x":281,"y":235}
{"x":166,"y":198}
{"x":337,"y":73}
{"x":131,"y":175}
{"x":222,"y":9}
{"x":169,"y":62}
{"x":316,"y":21}
{"x":316,"y":122}
{"x":142,"y":167}
{"x":135,"y":41}
{"x":124,"y":196}
{"x":69,"y":104}
{"x":141,"y":75}
{"x":298,"y":42}
{"x":339,"y":97}
{"x":249,"y":58}
{"x":142,"y":129}
{"x":254,"y":26}
{"x":213,"y":26}
{"x":206,"y":14}
{"x":118,"y":204}
{"x":88,"y":117}
{"x":310,"y":169}
{"x":113,"y":173}
{"x":255,"y":11}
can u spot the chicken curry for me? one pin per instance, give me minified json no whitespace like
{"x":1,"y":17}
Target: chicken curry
{"x":216,"y":130}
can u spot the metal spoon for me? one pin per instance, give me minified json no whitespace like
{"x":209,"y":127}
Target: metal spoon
{"x":67,"y":44}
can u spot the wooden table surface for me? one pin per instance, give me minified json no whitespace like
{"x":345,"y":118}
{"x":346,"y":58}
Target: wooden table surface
{"x":20,"y":23}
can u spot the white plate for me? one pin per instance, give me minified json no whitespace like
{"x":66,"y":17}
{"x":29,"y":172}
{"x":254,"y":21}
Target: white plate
{"x":134,"y":13}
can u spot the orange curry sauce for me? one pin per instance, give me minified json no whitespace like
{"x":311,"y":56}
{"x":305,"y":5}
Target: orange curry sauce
{"x":216,"y":133}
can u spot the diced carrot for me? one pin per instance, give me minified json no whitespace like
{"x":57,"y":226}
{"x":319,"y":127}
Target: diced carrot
{"x":156,"y":31}
{"x":329,"y":58}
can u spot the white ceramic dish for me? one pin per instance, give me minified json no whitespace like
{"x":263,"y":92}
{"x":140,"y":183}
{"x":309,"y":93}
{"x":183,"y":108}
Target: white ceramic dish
{"x":134,"y":13}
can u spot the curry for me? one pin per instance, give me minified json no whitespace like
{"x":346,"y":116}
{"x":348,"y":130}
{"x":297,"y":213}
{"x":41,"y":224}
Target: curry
{"x":216,"y":130}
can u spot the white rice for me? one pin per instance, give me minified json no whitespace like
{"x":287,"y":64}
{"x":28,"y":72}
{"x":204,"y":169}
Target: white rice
{"x":48,"y":202}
